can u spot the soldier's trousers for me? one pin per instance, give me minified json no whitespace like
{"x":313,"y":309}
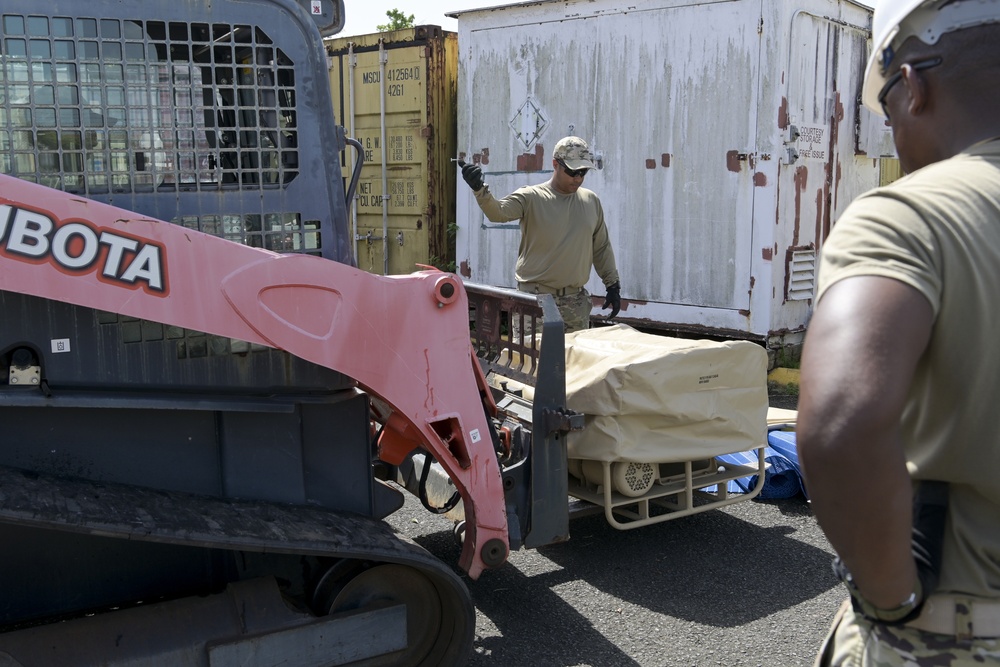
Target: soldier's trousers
{"x":575,"y":310}
{"x":854,"y":641}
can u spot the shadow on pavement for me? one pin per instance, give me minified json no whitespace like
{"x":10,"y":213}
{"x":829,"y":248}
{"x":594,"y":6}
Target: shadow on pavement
{"x":715,"y":569}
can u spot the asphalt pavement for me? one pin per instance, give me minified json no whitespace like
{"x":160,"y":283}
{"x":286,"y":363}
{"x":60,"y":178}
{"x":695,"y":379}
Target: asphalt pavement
{"x":746,"y":585}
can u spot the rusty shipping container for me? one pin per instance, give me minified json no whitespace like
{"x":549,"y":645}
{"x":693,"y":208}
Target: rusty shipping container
{"x":729,"y":137}
{"x":395,"y":93}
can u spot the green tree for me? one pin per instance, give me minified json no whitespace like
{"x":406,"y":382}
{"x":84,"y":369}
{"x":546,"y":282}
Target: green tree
{"x":397,"y":21}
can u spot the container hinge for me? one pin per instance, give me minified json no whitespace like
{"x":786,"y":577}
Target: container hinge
{"x":791,"y":149}
{"x":399,"y":238}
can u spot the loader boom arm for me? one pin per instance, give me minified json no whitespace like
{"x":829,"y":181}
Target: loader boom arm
{"x":404,"y":339}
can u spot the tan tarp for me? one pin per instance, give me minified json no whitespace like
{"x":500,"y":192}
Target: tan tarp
{"x":651,"y":399}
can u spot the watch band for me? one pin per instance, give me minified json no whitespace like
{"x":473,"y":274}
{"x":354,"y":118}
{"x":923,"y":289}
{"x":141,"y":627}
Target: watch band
{"x":907,"y":610}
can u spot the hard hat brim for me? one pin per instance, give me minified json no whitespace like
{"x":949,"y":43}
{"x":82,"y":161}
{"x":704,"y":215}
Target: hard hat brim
{"x":873,"y":82}
{"x":926,"y":20}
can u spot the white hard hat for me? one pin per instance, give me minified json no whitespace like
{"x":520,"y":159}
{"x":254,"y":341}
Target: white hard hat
{"x":895,"y":21}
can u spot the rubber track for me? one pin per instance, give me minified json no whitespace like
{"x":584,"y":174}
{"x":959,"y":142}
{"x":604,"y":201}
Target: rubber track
{"x":140,"y":513}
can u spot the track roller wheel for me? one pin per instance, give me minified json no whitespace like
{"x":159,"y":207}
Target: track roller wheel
{"x":435,"y":629}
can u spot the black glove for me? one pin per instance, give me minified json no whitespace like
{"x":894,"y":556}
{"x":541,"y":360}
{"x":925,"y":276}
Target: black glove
{"x":613,"y":300}
{"x":473,"y":175}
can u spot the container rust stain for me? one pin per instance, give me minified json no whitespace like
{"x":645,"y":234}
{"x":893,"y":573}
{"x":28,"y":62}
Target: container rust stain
{"x":665,"y":160}
{"x":759,"y":179}
{"x":650,"y":164}
{"x":833,"y":174}
{"x":482,"y":157}
{"x":532,"y":161}
{"x":822,"y":208}
{"x":783,"y":114}
{"x":801,"y":176}
{"x":733,"y":161}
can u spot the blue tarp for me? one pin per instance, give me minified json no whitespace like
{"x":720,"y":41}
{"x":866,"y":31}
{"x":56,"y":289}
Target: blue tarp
{"x":783,"y":477}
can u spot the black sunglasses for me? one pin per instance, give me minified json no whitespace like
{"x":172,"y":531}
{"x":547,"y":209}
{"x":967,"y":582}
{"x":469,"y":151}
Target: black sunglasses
{"x":894,"y":79}
{"x":572,"y":173}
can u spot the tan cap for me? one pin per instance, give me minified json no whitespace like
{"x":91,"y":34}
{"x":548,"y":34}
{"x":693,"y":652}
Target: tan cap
{"x":574,"y":153}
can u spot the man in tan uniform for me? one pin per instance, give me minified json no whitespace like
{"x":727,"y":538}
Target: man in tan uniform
{"x":898,"y":428}
{"x":562,"y":233}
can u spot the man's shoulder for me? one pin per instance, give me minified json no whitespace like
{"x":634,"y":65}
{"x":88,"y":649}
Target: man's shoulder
{"x":524,"y":194}
{"x":532,"y":191}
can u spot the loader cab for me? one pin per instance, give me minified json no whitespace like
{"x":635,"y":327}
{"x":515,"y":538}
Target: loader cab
{"x":212,"y":116}
{"x":181,"y":115}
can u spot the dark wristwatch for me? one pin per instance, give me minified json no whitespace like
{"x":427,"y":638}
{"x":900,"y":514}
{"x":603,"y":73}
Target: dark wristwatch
{"x":907,"y":610}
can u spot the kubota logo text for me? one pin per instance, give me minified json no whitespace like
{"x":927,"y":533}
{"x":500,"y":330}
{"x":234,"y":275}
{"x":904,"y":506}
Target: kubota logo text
{"x":77,"y":247}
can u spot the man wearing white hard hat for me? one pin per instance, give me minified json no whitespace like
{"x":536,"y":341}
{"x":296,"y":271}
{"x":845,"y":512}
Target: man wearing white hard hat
{"x":563,"y":233}
{"x":899,"y":406}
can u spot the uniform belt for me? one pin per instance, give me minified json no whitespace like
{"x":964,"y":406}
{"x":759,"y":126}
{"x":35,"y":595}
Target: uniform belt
{"x":962,"y":617}
{"x":536,"y":288}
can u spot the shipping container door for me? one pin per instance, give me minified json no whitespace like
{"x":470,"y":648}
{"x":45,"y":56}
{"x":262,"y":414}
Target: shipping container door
{"x":666,"y":94}
{"x":821,"y":168}
{"x":388,"y":116}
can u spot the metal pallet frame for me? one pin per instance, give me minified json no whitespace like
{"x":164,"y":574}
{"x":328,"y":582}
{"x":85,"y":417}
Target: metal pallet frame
{"x":680,"y":495}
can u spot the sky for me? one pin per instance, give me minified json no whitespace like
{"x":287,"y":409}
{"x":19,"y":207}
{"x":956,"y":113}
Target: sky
{"x":364,"y":15}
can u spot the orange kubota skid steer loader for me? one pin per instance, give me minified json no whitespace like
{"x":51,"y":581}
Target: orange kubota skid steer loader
{"x":203,"y":399}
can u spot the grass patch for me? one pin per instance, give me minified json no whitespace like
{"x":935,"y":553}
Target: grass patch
{"x":788,"y":357}
{"x":782,"y":389}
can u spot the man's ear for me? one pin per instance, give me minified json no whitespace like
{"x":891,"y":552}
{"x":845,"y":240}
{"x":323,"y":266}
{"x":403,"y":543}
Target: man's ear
{"x":916,"y":90}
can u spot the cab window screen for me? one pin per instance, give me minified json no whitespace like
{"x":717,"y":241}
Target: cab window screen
{"x":98,"y":105}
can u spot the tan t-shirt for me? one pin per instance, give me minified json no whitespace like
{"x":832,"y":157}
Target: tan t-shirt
{"x":938,"y":230}
{"x":562,"y":236}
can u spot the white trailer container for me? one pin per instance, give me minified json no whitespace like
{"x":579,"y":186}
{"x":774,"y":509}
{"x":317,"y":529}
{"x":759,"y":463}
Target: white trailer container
{"x":729,"y":137}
